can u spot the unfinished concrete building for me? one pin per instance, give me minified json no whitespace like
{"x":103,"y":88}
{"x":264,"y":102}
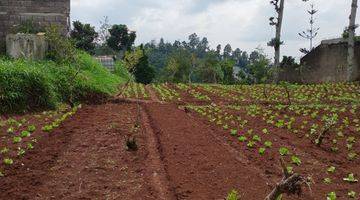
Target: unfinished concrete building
{"x":39,"y":12}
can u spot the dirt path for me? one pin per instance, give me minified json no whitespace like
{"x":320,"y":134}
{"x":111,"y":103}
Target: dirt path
{"x":198,"y":166}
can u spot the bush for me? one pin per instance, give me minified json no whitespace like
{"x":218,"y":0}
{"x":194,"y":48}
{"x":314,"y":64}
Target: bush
{"x":121,"y":71}
{"x":29,"y":85}
{"x":23,"y":87}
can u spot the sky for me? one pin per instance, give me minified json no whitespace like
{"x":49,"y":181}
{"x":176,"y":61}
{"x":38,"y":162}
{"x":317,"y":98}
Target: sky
{"x":243,"y":24}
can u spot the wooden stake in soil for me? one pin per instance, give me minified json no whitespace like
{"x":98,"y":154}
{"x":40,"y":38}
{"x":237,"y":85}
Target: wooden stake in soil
{"x":290,"y":184}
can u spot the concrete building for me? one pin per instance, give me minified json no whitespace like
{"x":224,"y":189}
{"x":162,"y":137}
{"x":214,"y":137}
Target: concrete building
{"x":40,"y":12}
{"x":326,"y":63}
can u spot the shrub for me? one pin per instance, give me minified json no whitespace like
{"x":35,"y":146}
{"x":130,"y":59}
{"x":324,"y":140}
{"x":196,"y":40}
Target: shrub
{"x":23,"y":87}
{"x":29,"y":85}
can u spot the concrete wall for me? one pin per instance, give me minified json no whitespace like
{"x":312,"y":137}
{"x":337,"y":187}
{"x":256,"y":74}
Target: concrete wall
{"x":29,"y":46}
{"x":42,"y":12}
{"x":326,"y":63}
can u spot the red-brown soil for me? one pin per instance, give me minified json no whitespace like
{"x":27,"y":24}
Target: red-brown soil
{"x":85,"y":158}
{"x":180,"y":156}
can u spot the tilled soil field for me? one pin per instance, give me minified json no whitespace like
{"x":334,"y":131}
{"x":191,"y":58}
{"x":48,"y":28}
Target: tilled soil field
{"x":187,"y":148}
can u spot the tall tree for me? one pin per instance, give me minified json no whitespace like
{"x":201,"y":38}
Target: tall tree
{"x":227,"y":51}
{"x":311,"y":33}
{"x":104,"y":30}
{"x":143,"y":72}
{"x":121,"y":38}
{"x":194,"y":41}
{"x":84,"y":36}
{"x":276,"y":42}
{"x":351,"y":40}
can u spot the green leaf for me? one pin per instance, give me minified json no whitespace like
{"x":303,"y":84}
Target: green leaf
{"x":351,"y":178}
{"x":283,"y":151}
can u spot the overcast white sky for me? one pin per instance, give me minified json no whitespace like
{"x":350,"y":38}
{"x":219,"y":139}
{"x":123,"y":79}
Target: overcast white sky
{"x":241,"y":23}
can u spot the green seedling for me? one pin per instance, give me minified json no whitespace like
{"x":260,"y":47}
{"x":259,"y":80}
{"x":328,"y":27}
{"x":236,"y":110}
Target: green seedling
{"x":242,"y":138}
{"x":265,"y":131}
{"x":8,"y":161}
{"x":11,"y":130}
{"x":351,"y":178}
{"x":29,"y":146}
{"x":352,"y":156}
{"x":21,"y":152}
{"x":283,"y":151}
{"x":296,"y":160}
{"x":268,"y":144}
{"x":31,"y":128}
{"x":25,"y":134}
{"x":256,"y":138}
{"x":251,"y":144}
{"x":331,"y":196}
{"x":352,"y":194}
{"x":17,"y":139}
{"x":48,"y":128}
{"x":4,"y":150}
{"x":331,"y":169}
{"x":327,"y":181}
{"x":233,"y":132}
{"x":262,"y":151}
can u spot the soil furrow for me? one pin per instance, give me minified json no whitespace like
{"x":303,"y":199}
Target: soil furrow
{"x":197,"y":165}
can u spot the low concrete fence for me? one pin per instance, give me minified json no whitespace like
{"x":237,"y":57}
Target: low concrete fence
{"x":28,"y":46}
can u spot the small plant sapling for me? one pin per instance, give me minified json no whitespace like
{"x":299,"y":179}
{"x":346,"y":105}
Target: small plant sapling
{"x":8,"y":161}
{"x":268,"y":144}
{"x":242,"y":138}
{"x":29,"y":146}
{"x":331,"y":196}
{"x":11,"y":130}
{"x":262,"y":151}
{"x":352,"y":156}
{"x":4,"y":150}
{"x":21,"y":152}
{"x":256,"y":138}
{"x":283,"y":151}
{"x":352,"y":194}
{"x":233,"y":195}
{"x":331,"y":169}
{"x":351,"y":178}
{"x":31,"y":128}
{"x":233,"y":132}
{"x":47,"y":128}
{"x":296,"y":160}
{"x":251,"y":144}
{"x":17,"y":139}
{"x":25,"y":134}
{"x":327,"y":181}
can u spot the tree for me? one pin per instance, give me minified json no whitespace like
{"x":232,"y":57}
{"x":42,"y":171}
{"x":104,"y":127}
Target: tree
{"x":178,"y":67}
{"x":227,"y":66}
{"x":311,"y":33}
{"x":276,"y":42}
{"x":227,"y":51}
{"x":351,"y":40}
{"x":121,"y":38}
{"x":143,"y":72}
{"x":210,"y":70}
{"x":84,"y":36}
{"x":104,"y":30}
{"x":218,"y":50}
{"x":289,"y":62}
{"x":194,"y":41}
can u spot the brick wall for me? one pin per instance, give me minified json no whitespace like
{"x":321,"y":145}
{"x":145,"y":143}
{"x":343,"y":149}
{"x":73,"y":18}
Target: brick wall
{"x":41,"y":12}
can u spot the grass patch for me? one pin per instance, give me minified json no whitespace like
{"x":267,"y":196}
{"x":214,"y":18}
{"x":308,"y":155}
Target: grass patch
{"x":29,"y":85}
